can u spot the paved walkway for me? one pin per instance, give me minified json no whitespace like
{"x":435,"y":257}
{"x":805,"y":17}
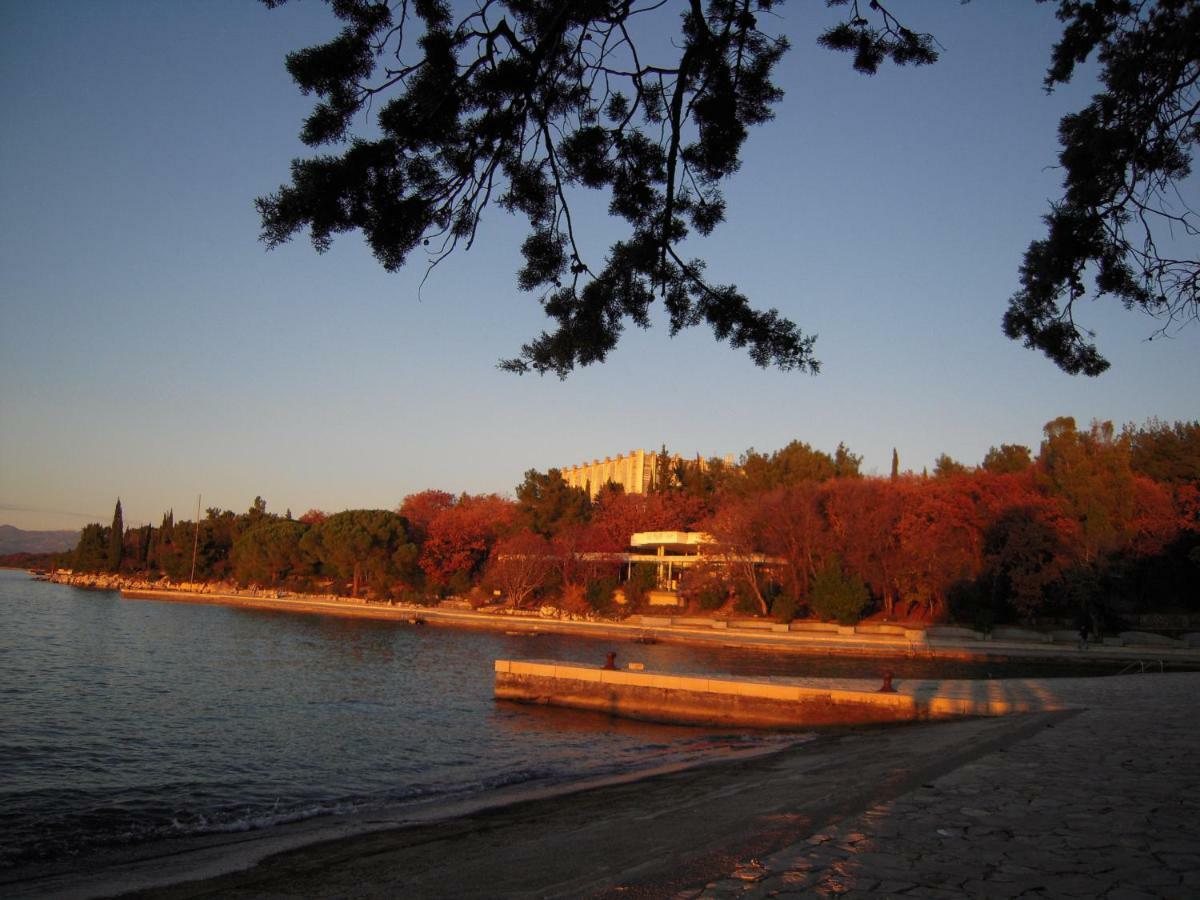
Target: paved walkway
{"x":1104,"y":803}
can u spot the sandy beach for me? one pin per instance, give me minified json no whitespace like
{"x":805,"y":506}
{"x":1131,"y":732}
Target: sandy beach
{"x":1120,"y":753}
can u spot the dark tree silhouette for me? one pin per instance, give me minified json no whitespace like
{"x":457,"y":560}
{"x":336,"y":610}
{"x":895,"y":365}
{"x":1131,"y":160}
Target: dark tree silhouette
{"x":1124,"y":158}
{"x":522,"y":102}
{"x":116,"y":539}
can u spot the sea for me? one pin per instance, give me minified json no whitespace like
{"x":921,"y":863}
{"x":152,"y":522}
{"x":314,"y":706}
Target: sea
{"x":129,"y":722}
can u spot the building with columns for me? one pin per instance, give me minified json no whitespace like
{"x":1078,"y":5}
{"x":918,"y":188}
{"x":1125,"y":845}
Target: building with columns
{"x":637,"y":472}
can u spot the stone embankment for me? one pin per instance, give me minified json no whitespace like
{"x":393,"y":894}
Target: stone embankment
{"x":869,"y":638}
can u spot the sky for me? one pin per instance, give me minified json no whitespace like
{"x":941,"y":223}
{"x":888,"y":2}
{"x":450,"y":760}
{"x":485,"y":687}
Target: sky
{"x":151,"y":348}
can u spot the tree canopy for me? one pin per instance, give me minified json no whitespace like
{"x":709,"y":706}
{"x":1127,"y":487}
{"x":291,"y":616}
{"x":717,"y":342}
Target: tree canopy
{"x":526,"y":103}
{"x":1124,"y":158}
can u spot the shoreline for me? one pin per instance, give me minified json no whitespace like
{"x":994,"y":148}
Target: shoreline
{"x":969,"y":807}
{"x":871,"y":640}
{"x":181,"y":862}
{"x":681,"y":824}
{"x":652,"y":629}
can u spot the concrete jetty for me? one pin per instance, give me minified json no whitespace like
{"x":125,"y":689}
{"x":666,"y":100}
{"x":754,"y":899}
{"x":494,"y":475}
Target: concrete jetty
{"x":774,"y":703}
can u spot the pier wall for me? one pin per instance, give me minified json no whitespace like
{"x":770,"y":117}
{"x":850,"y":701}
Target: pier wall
{"x":695,"y":700}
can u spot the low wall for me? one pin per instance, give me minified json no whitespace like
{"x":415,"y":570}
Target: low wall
{"x":695,"y":700}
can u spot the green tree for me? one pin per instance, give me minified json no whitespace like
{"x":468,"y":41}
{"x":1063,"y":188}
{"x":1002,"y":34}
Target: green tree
{"x":793,"y":464}
{"x":947,"y":467}
{"x":116,"y":539}
{"x":364,"y":546}
{"x":838,"y":595}
{"x":91,"y":553}
{"x":1006,"y":459}
{"x":1168,"y":453}
{"x":546,"y":503}
{"x":1091,"y":472}
{"x":895,"y":464}
{"x":270,"y":552}
{"x":845,"y":463}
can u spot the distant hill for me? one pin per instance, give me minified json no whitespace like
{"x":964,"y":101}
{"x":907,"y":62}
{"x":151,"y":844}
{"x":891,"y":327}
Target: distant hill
{"x":16,"y":540}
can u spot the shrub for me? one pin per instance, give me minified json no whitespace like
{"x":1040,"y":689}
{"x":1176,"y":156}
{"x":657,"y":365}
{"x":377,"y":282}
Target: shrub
{"x":747,"y":603}
{"x":837,"y":595}
{"x":711,"y":597}
{"x":970,"y":604}
{"x":599,"y":594}
{"x":641,"y":581}
{"x":785,"y":608}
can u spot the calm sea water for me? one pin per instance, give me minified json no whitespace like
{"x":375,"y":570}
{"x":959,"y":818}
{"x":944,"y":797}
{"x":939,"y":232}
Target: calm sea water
{"x":123,"y":721}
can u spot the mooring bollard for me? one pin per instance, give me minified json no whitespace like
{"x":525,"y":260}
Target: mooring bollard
{"x":887,"y":683}
{"x":610,"y":661}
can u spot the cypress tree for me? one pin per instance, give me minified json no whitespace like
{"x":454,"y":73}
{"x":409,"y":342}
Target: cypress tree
{"x":895,"y":464}
{"x":116,"y":539}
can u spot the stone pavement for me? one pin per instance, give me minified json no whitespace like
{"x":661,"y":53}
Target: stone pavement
{"x":1103,"y":803}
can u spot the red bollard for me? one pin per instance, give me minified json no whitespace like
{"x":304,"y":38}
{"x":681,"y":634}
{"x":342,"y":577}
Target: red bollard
{"x":887,"y":684}
{"x":611,"y":661}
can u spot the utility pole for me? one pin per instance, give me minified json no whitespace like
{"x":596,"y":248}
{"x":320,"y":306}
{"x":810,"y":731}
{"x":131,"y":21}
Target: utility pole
{"x":195,"y":540}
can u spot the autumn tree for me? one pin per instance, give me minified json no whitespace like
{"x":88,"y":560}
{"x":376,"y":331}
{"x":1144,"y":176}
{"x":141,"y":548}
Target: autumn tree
{"x":940,"y":542}
{"x":737,"y":528}
{"x":792,"y":527}
{"x":460,"y":538}
{"x":420,"y":509}
{"x":863,"y":517}
{"x":521,"y":565}
{"x":616,"y":516}
{"x":1024,"y":553}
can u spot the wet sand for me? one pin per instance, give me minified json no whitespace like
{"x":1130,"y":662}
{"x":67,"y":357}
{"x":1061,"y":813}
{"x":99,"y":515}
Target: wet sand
{"x":650,"y":837}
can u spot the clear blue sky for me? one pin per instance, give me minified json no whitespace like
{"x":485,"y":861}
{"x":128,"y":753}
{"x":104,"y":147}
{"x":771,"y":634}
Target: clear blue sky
{"x":150,"y":348}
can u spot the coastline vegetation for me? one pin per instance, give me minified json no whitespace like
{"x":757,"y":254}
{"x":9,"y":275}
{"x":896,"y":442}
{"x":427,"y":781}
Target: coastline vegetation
{"x":1097,"y":525}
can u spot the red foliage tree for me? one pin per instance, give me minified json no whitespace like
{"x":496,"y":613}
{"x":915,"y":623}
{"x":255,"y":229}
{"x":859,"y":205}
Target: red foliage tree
{"x":460,"y":537}
{"x":521,"y":565}
{"x":864,"y":517}
{"x":618,"y":515}
{"x":421,"y":509}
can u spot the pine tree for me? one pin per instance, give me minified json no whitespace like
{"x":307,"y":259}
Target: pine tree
{"x":116,"y":539}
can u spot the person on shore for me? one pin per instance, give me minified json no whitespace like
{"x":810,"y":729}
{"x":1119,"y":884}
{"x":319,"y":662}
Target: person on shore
{"x":610,"y":661}
{"x":1083,"y":635}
